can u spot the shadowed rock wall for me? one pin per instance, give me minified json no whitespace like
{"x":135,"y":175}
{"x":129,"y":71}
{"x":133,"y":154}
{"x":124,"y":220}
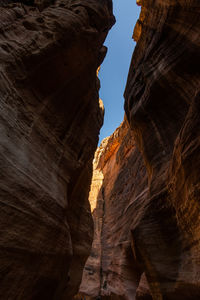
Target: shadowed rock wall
{"x":49,"y":124}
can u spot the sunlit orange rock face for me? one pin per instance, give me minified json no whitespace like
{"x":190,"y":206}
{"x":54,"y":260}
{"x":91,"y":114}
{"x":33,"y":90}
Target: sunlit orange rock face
{"x":112,"y":270}
{"x":140,"y":22}
{"x":49,"y":122}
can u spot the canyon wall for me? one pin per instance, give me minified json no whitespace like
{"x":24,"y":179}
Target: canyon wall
{"x":146,"y":180}
{"x":147,"y":217}
{"x":49,"y":123}
{"x":162,"y":106}
{"x":119,"y":188}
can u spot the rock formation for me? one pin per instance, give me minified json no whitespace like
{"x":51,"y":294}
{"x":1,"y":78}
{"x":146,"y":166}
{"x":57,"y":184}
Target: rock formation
{"x":162,"y":105}
{"x":49,"y":99}
{"x":148,"y":243}
{"x":119,"y":187}
{"x":146,"y":180}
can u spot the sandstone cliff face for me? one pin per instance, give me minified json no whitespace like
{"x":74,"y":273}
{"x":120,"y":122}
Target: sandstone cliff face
{"x":147,"y":245}
{"x":146,"y":184}
{"x":162,"y":106}
{"x":49,"y":100}
{"x":112,"y":270}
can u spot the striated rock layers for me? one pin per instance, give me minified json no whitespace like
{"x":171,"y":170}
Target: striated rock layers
{"x":119,"y":187}
{"x":49,"y":123}
{"x":148,"y":245}
{"x":163,"y":107}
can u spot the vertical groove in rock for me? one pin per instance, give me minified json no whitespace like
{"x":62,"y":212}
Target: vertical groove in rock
{"x":101,"y":245}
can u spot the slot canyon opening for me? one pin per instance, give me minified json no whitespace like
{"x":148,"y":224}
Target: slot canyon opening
{"x":113,"y":76}
{"x":145,"y":208}
{"x":114,"y":69}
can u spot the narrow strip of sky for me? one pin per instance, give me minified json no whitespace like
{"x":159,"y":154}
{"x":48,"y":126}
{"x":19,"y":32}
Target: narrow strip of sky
{"x":114,"y":70}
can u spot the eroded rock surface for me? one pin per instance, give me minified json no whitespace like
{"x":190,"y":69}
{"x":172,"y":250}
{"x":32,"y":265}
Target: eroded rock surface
{"x":162,"y":105}
{"x":148,"y":245}
{"x":112,"y":270}
{"x":146,"y":184}
{"x":49,"y":124}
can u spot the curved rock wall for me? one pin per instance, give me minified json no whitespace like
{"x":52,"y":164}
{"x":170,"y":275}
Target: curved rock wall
{"x":48,"y":100}
{"x":162,"y":108}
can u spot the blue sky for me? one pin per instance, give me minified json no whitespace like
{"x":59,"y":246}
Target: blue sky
{"x":114,"y":70}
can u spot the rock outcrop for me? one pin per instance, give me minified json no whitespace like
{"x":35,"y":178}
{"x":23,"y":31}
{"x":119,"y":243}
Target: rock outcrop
{"x":49,"y":99}
{"x":147,"y":245}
